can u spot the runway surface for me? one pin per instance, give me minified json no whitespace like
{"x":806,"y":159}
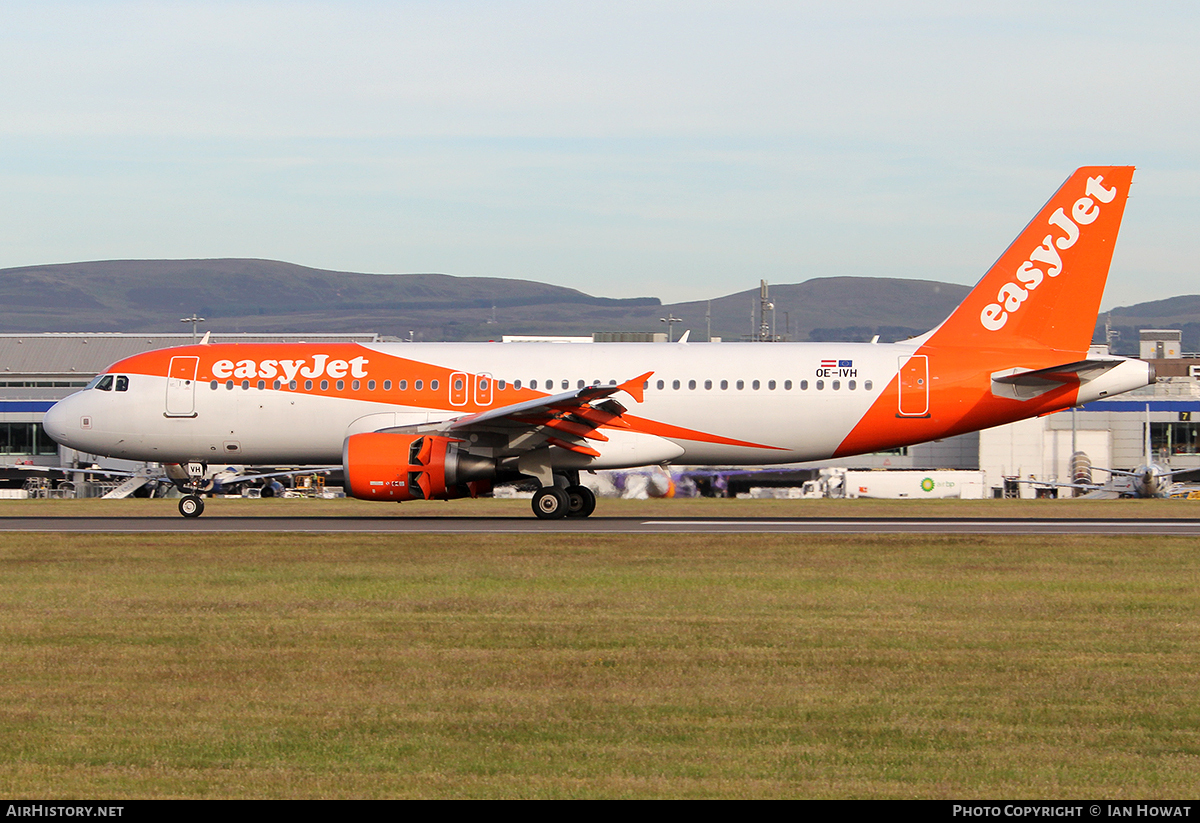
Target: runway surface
{"x":606,"y":525}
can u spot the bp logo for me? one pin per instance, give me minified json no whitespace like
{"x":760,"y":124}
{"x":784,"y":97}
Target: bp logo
{"x":927,"y":484}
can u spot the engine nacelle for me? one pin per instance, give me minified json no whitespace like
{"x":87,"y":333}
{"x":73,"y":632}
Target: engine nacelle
{"x":386,"y":466}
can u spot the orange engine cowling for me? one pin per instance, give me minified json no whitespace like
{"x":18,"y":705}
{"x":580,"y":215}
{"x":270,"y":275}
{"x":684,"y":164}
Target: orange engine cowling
{"x":385,"y":466}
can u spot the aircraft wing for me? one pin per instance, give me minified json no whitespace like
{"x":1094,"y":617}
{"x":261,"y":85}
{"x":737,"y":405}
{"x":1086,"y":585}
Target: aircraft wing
{"x":567,"y":420}
{"x":75,"y":470}
{"x":249,"y":477}
{"x":1128,"y":473}
{"x":1053,"y":484}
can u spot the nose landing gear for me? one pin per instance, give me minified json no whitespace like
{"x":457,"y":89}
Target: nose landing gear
{"x":189,"y":479}
{"x":191,"y":505}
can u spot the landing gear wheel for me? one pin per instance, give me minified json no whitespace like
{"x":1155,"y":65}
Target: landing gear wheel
{"x":581,"y":501}
{"x":550,"y":503}
{"x":191,"y":506}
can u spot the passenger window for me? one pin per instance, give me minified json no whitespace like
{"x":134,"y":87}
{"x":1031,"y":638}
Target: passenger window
{"x":458,"y":384}
{"x":803,"y":385}
{"x":122,"y":383}
{"x":418,"y":385}
{"x":579,"y":385}
{"x":691,"y":384}
{"x":837,"y":384}
{"x":402,"y":385}
{"x":433,"y":385}
{"x":245,"y":385}
{"x":662,"y":384}
{"x":851,"y":385}
{"x":308,"y":384}
{"x":867,"y":385}
{"x":566,"y":384}
{"x":820,"y":385}
{"x":370,"y":385}
{"x":741,"y":385}
{"x":675,"y":385}
{"x":787,"y":385}
{"x":356,"y":385}
{"x":341,"y":385}
{"x":771,"y":385}
{"x":754,"y":385}
{"x":276,"y":385}
{"x":724,"y":385}
{"x":324,"y":385}
{"x":213,"y":385}
{"x":229,"y":385}
{"x":262,"y":384}
{"x":708,"y":384}
{"x":387,"y":385}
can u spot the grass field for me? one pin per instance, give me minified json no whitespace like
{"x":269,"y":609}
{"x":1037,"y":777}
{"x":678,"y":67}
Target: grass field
{"x":606,"y":666}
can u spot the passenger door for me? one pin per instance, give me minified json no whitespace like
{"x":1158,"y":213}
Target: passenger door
{"x":181,"y":387}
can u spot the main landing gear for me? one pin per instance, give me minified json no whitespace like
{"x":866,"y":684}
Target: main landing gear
{"x":552,"y":502}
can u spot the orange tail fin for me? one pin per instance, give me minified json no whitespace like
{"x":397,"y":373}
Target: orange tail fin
{"x":1044,"y":292}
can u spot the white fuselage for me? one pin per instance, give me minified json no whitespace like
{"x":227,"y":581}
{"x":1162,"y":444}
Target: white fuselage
{"x":727,"y":403}
{"x":781,"y":402}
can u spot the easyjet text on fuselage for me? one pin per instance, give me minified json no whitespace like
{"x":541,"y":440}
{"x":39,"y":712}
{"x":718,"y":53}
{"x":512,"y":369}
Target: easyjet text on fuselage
{"x":321,"y":366}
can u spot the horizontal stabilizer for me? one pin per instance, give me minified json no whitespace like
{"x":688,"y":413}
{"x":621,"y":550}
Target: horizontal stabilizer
{"x":1024,"y":384}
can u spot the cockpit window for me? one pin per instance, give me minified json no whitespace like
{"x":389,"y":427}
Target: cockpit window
{"x":122,"y":383}
{"x":104,"y":382}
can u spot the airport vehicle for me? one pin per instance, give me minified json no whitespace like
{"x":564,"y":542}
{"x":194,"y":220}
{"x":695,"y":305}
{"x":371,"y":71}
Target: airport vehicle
{"x":436,"y":421}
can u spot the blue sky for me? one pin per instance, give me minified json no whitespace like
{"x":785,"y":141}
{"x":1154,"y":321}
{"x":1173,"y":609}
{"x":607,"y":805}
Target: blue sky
{"x":679,"y":150}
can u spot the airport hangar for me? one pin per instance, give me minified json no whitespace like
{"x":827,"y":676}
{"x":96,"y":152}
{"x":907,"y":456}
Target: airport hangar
{"x":36,"y":370}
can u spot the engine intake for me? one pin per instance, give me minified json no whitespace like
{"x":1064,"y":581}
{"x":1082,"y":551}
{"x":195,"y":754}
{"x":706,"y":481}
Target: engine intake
{"x":386,"y":466}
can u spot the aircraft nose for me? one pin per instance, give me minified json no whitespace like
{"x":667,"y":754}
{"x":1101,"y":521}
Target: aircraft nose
{"x":55,"y":422}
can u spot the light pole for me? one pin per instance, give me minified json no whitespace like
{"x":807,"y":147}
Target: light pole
{"x":670,"y":320}
{"x":193,"y":320}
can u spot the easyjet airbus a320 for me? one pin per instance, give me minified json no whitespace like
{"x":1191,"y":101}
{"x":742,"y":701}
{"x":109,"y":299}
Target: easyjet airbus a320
{"x":434,"y":421}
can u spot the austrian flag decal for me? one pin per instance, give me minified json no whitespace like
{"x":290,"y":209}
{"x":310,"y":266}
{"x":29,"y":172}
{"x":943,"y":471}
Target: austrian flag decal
{"x":837,"y":368}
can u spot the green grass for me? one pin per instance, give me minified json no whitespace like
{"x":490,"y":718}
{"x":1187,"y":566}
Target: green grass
{"x":515,"y":666}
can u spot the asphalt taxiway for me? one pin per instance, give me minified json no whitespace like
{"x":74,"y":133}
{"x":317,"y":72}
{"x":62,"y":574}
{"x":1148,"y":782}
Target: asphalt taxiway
{"x":609,"y":525}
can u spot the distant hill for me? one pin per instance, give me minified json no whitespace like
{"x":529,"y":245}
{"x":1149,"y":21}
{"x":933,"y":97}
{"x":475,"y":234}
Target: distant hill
{"x":830,"y":308}
{"x":1182,"y":312}
{"x":267,"y":295}
{"x":271,"y":296}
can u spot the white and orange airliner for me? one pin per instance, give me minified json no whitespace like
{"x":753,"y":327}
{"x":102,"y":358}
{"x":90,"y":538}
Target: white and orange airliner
{"x":412,"y":421}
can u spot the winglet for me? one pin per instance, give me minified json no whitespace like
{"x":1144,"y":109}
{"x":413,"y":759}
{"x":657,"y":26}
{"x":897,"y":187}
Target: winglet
{"x":635,"y":388}
{"x":204,"y":341}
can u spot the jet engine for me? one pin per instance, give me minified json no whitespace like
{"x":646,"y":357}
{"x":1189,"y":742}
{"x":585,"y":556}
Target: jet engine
{"x":387,"y":466}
